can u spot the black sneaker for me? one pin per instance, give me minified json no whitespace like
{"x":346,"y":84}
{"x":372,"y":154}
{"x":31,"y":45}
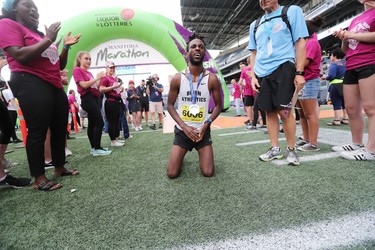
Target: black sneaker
{"x":153,"y":127}
{"x":160,"y":125}
{"x":14,"y":182}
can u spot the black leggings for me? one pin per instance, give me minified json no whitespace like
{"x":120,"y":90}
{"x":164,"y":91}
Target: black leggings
{"x":112,"y":112}
{"x":5,"y":124}
{"x":91,"y":104}
{"x":43,"y":106}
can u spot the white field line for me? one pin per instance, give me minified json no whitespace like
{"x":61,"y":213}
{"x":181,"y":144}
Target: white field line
{"x":349,"y":230}
{"x":239,"y":133}
{"x":315,"y":157}
{"x":256,"y":142}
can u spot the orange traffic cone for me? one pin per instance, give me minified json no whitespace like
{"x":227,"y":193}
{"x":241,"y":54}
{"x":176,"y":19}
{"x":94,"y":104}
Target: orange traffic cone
{"x":22,"y":125}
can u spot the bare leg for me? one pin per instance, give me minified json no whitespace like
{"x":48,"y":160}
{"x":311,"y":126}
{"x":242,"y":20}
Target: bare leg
{"x":273,"y":127}
{"x":206,"y":161}
{"x":367,"y":92}
{"x":353,"y":106}
{"x":175,"y":161}
{"x":311,"y":120}
{"x":289,"y":126}
{"x":47,"y":148}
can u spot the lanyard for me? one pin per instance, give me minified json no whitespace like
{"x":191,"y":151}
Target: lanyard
{"x":193,"y":94}
{"x":268,"y":26}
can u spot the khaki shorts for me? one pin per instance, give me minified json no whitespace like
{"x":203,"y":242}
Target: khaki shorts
{"x":156,"y":106}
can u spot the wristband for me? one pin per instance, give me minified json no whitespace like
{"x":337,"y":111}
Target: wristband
{"x":209,"y":121}
{"x":300,"y":73}
{"x":67,"y":47}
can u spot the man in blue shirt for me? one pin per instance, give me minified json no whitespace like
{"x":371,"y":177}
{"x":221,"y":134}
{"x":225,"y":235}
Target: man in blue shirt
{"x":278,"y":53}
{"x":155,"y":91}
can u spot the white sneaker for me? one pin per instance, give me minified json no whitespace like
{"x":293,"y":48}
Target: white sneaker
{"x":361,"y":154}
{"x":140,"y":128}
{"x":347,"y":147}
{"x":136,"y":129}
{"x":68,"y":152}
{"x":101,"y":152}
{"x":117,"y":144}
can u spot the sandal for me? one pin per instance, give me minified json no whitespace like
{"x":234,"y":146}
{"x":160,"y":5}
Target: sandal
{"x":48,"y":185}
{"x":69,"y":172}
{"x":334,"y":123}
{"x":345,"y":121}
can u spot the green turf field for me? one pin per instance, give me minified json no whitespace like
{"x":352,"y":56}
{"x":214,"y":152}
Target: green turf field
{"x":125,"y":200}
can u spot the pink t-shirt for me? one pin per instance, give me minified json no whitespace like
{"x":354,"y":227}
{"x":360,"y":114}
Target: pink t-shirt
{"x":79,"y":75}
{"x":247,"y":90}
{"x":45,"y":66}
{"x":109,"y":81}
{"x":72,"y":100}
{"x":314,"y":53}
{"x":361,"y":54}
{"x":236,"y":91}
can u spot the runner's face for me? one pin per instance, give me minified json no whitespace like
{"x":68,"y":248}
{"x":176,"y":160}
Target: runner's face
{"x":111,"y":70}
{"x":268,"y":5}
{"x":196,"y":51}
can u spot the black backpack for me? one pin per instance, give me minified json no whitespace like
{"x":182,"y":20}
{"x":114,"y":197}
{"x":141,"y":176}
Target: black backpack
{"x":284,"y":17}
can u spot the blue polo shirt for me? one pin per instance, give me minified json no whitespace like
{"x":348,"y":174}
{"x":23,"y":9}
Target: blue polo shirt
{"x":274,"y":44}
{"x":156,"y":96}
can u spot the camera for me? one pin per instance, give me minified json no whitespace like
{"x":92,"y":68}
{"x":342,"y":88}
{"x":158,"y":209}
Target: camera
{"x":149,"y":81}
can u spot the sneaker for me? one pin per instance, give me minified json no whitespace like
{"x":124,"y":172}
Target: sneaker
{"x":10,"y":181}
{"x":301,"y":143}
{"x":272,"y":154}
{"x":308,"y":147}
{"x":101,"y":152}
{"x":160,"y":125}
{"x":153,"y":127}
{"x":68,"y":152}
{"x":347,"y":147}
{"x":263,"y":126}
{"x":117,"y":144}
{"x":120,"y":140}
{"x":8,"y":164}
{"x":292,"y":157}
{"x":136,"y":129}
{"x":247,"y":122}
{"x":140,"y":128}
{"x":361,"y":154}
{"x":251,"y":127}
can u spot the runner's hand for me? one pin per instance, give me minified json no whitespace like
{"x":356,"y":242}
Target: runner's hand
{"x":191,"y":132}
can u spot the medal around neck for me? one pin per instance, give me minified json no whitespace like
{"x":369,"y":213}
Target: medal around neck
{"x":194,"y":109}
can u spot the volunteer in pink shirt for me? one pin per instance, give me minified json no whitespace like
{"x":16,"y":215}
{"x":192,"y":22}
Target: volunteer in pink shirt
{"x":308,"y":95}
{"x":236,"y":96}
{"x":359,"y":82}
{"x":248,"y":91}
{"x":35,"y":80}
{"x":110,"y":86}
{"x":88,"y":88}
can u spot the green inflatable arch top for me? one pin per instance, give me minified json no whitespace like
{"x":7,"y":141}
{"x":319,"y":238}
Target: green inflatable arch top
{"x":159,"y":32}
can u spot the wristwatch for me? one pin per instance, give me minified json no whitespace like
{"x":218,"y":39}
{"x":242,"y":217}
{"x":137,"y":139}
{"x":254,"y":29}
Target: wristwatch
{"x":300,"y":73}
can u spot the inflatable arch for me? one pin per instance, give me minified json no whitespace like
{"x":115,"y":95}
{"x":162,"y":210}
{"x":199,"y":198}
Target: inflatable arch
{"x":159,"y":32}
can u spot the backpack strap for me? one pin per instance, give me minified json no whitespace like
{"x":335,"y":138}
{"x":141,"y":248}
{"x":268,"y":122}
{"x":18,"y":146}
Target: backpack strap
{"x":284,"y":17}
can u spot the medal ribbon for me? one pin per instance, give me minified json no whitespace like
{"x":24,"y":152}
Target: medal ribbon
{"x":193,"y":95}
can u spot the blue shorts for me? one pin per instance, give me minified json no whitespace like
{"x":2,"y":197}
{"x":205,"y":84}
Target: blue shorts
{"x":310,"y":90}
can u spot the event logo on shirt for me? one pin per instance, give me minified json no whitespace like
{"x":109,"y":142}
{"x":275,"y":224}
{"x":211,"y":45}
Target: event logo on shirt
{"x":359,"y":28}
{"x":52,"y":54}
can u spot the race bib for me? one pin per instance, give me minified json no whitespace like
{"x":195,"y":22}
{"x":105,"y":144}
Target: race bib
{"x":188,"y":117}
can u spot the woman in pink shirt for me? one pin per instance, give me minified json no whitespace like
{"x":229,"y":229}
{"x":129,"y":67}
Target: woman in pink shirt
{"x":88,"y":88}
{"x":35,"y":80}
{"x":308,"y":95}
{"x":359,"y":82}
